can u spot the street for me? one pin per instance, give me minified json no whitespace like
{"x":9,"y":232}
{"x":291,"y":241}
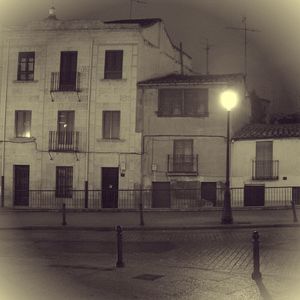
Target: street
{"x":197,"y":264}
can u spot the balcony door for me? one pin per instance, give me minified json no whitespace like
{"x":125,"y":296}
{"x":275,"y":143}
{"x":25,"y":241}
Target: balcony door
{"x":68,"y":70}
{"x":264,"y":160}
{"x":65,"y":128}
{"x":183,"y":156}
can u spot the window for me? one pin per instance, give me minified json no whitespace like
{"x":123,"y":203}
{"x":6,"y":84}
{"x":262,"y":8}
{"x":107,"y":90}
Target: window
{"x":264,"y":163}
{"x":68,"y":71}
{"x":26,"y":66}
{"x":65,"y":127}
{"x":183,"y":102}
{"x":183,"y":156}
{"x":65,"y":120}
{"x":23,"y":123}
{"x":64,"y":182}
{"x":113,"y":64}
{"x":111,"y":124}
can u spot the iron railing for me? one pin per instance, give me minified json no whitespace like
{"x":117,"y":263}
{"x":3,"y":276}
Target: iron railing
{"x":183,"y":164}
{"x":65,"y":141}
{"x":65,"y":82}
{"x":265,"y":169}
{"x":150,"y":199}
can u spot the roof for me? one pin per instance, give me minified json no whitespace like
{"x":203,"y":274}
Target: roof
{"x":266,"y":131}
{"x":192,"y":79}
{"x":141,"y":22}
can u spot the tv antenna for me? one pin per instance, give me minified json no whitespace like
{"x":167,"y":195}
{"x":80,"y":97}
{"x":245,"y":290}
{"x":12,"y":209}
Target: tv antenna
{"x":246,"y":30}
{"x":131,"y":5}
{"x":207,"y":49}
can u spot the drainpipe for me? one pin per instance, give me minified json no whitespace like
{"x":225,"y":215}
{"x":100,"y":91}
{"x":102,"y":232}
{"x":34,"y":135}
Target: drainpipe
{"x":4,"y":98}
{"x":87,"y":156}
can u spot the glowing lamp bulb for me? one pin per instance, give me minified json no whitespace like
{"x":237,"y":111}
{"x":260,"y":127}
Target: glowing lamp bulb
{"x":229,"y":99}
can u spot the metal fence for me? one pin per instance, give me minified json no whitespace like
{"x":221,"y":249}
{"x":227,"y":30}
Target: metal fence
{"x":162,"y":199}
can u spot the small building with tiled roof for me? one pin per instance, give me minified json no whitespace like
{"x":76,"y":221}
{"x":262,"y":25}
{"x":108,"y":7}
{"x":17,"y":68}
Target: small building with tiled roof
{"x":265,"y":161}
{"x":265,"y":131}
{"x":184,"y":130}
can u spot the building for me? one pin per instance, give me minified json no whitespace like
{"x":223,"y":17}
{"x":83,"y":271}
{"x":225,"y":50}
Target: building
{"x":266,"y":164}
{"x":184,"y":137}
{"x":69,"y":110}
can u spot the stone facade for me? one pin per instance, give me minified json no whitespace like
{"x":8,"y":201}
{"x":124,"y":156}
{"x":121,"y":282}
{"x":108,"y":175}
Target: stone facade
{"x":147,"y":52}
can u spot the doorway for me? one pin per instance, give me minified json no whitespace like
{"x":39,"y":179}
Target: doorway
{"x":209,"y":192}
{"x":254,"y":195}
{"x":21,"y":185}
{"x":110,"y":186}
{"x":161,"y":195}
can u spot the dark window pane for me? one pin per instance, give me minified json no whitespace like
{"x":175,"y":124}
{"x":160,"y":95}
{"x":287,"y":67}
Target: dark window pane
{"x":115,"y":132}
{"x":183,"y":102}
{"x":68,"y":70}
{"x":113,"y":64}
{"x":26,"y":66}
{"x":111,"y":124}
{"x":170,"y":102}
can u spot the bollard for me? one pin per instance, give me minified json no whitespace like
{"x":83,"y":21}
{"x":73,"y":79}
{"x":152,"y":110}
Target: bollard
{"x":294,"y":211}
{"x":255,"y":240}
{"x":64,"y":215}
{"x":120,"y":263}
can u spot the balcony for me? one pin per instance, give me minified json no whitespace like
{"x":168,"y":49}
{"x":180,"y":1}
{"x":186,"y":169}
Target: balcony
{"x":66,"y":141}
{"x":265,"y":169}
{"x":65,"y":82}
{"x":183,"y":164}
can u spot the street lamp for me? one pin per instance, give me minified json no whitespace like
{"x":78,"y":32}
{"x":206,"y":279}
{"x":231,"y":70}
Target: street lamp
{"x":229,"y":100}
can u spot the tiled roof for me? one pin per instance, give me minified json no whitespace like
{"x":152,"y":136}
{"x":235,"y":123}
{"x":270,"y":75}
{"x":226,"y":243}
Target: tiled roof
{"x":141,"y":22}
{"x":192,"y":79}
{"x":266,"y":131}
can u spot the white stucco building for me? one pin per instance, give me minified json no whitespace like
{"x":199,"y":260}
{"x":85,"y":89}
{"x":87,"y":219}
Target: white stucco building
{"x":265,"y":163}
{"x":68,"y":105}
{"x":184,"y":137}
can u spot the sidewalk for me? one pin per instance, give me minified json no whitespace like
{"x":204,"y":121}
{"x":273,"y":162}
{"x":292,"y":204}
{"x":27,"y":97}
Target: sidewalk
{"x":252,"y":218}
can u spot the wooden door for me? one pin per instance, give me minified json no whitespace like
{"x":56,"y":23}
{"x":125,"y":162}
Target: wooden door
{"x":209,"y":192}
{"x":254,"y":195}
{"x":110,"y":186}
{"x":161,"y":195}
{"x":21,"y":185}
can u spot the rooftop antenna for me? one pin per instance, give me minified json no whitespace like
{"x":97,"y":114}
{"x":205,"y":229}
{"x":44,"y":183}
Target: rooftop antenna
{"x":181,"y":58}
{"x":207,"y":49}
{"x":131,"y":4}
{"x":245,"y":29}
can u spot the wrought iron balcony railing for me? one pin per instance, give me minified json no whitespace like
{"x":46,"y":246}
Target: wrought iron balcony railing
{"x":183,"y":164}
{"x":265,"y":169}
{"x":65,"y":82}
{"x":66,"y":141}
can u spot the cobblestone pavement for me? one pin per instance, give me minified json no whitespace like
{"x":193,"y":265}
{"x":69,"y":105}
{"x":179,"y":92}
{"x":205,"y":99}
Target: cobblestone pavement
{"x":210,"y":264}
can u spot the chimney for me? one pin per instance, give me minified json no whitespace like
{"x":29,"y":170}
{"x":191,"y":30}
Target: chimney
{"x":52,"y":14}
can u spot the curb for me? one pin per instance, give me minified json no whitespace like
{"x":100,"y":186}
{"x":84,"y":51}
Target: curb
{"x":153,"y":228}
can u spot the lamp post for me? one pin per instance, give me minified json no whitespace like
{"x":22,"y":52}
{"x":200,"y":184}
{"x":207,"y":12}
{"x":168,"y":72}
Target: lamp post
{"x":228,"y":100}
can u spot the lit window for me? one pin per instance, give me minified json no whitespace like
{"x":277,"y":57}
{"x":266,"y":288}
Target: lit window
{"x":23,"y":123}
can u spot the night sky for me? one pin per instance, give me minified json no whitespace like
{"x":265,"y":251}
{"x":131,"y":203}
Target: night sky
{"x":273,"y":53}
